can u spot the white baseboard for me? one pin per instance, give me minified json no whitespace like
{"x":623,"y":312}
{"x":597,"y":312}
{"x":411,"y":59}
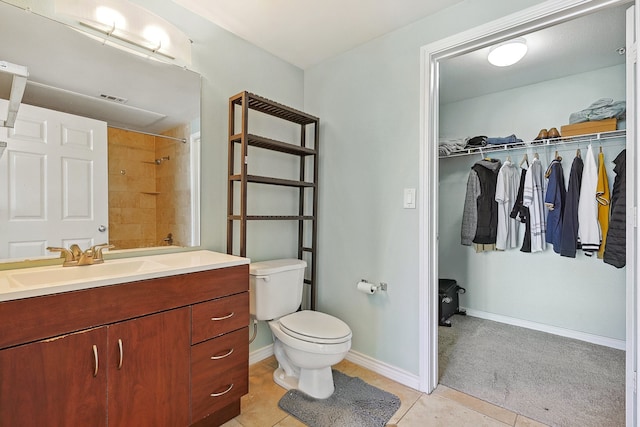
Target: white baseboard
{"x":403,"y":377}
{"x":568,"y":333}
{"x":400,"y":375}
{"x":260,"y":354}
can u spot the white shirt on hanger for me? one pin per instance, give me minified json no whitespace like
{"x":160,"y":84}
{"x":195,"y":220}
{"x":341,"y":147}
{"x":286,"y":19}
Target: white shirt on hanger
{"x":533,"y":198}
{"x":588,"y":226}
{"x":506,"y":195}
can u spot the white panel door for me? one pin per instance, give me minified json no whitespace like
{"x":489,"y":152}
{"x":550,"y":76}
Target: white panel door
{"x":53,"y":183}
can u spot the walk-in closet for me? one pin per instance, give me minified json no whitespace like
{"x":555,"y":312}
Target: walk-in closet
{"x":554,"y":313}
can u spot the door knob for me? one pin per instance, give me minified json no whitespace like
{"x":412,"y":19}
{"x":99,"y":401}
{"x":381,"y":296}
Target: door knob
{"x":102,"y":228}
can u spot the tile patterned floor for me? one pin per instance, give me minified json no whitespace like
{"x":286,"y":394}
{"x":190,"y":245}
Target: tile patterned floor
{"x":444,"y":407}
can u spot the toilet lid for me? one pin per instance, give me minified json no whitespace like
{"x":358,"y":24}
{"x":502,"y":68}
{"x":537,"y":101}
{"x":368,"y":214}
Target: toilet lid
{"x":315,"y":327}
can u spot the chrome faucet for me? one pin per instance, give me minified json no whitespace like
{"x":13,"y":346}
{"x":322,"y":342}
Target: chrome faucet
{"x":74,"y":256}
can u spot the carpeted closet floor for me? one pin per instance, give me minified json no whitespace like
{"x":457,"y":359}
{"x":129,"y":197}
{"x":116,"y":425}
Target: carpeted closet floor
{"x":554,"y":380}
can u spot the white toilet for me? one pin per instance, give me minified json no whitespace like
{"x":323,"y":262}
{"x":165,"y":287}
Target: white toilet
{"x":306,"y":343}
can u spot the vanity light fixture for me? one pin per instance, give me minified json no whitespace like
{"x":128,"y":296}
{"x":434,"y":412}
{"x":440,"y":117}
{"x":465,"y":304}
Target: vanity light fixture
{"x":507,"y":53}
{"x":128,"y":26}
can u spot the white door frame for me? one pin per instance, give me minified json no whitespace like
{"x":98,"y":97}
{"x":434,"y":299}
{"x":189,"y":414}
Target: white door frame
{"x":544,"y":15}
{"x":632,"y":202}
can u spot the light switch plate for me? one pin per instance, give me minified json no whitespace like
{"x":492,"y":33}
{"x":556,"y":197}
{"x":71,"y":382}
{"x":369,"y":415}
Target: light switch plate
{"x":409,"y":198}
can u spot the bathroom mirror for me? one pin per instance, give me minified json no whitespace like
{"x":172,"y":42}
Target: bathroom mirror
{"x":142,"y":100}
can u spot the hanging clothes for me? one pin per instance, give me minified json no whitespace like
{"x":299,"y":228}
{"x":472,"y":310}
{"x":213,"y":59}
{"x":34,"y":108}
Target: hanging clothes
{"x":521,"y":213}
{"x":506,"y":194}
{"x":533,"y":198}
{"x":603,"y":199}
{"x":480,"y":215}
{"x":589,"y":229}
{"x":615,"y":251}
{"x":570,"y":243}
{"x":554,"y":201}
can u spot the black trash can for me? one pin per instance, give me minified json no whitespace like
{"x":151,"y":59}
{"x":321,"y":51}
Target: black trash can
{"x":448,"y":293}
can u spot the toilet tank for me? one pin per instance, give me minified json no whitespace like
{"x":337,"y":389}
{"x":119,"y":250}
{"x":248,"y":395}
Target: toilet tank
{"x":275,"y":287}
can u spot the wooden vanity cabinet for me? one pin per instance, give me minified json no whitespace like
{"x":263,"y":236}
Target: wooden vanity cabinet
{"x":52,"y":382}
{"x":148,"y":367}
{"x":134,"y":361}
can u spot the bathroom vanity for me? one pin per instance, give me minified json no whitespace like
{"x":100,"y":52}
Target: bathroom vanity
{"x":148,"y":341}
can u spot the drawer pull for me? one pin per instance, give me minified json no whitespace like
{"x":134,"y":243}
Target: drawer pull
{"x":228,"y":316}
{"x":95,"y":360}
{"x":222,"y":356}
{"x":222,"y":392}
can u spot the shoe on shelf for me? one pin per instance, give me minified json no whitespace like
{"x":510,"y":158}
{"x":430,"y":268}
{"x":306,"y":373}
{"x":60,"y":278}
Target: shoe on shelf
{"x":543,"y":134}
{"x":553,"y":133}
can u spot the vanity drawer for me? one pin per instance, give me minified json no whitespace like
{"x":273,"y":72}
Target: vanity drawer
{"x":213,"y":318}
{"x":219,"y":373}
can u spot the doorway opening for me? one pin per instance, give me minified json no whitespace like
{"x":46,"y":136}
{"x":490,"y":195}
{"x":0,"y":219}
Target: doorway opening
{"x":441,"y":256}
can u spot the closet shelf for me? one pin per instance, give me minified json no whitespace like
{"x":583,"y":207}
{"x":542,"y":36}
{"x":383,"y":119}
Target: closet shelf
{"x":603,"y":136}
{"x":272,"y":181}
{"x":272,"y":144}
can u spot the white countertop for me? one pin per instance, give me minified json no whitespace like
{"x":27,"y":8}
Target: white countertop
{"x":31,"y":282}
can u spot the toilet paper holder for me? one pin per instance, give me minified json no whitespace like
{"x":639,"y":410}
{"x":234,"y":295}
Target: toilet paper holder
{"x":381,"y":287}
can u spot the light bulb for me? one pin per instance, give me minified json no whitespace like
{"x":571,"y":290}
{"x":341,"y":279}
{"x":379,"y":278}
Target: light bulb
{"x":110,"y":17}
{"x":507,"y":53}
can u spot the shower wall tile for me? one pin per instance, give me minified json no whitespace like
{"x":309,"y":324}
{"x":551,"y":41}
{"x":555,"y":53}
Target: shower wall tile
{"x":149,"y":200}
{"x":131,"y":173}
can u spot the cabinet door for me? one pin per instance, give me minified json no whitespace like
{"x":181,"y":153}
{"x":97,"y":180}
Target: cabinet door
{"x":55,"y":382}
{"x":149,"y":370}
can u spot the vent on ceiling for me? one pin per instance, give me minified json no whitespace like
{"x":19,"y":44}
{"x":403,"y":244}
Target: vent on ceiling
{"x":112,"y":98}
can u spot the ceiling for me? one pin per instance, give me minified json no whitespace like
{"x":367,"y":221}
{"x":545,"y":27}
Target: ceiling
{"x":302,"y":32}
{"x":306,"y":32}
{"x":573,"y":47}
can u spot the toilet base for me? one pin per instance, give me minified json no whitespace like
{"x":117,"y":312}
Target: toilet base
{"x":283,"y":380}
{"x":317,"y":383}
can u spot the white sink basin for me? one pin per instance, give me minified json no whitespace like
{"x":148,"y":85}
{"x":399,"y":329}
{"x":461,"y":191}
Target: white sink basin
{"x":86,"y":272}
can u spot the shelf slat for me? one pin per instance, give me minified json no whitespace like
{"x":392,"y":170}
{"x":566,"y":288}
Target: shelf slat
{"x":271,"y":218}
{"x":275,"y":109}
{"x":272,"y":144}
{"x":273,"y":181}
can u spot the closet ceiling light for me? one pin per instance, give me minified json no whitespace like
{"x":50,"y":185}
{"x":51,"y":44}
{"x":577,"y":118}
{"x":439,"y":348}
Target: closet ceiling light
{"x":123,"y":24}
{"x":507,"y":53}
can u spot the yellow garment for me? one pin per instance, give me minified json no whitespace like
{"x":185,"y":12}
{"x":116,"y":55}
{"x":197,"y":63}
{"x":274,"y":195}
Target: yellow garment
{"x":603,"y":198}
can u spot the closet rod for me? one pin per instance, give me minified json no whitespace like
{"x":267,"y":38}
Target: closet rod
{"x":541,"y":143}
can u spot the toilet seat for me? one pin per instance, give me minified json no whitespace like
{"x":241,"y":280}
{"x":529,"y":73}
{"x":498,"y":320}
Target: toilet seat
{"x":315,"y":327}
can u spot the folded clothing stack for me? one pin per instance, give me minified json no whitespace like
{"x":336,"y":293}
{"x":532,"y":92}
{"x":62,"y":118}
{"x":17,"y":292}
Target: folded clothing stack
{"x":448,"y":145}
{"x":481,"y":141}
{"x":602,"y":109}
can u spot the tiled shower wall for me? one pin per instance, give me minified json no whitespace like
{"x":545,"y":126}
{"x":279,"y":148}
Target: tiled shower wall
{"x":147,"y":201}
